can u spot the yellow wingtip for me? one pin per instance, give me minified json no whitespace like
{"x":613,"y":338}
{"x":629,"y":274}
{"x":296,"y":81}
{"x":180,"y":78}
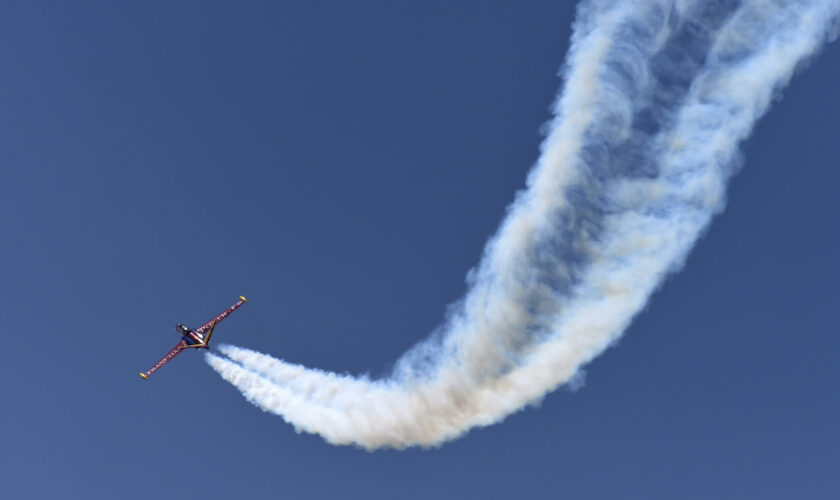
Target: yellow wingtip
{"x":243,"y":298}
{"x":145,"y":377}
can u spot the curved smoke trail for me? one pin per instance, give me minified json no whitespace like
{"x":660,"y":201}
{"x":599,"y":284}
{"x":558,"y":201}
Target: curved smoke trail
{"x":658,"y":94}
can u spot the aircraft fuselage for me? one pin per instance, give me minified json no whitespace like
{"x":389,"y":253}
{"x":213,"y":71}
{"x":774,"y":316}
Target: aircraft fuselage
{"x":188,"y":334}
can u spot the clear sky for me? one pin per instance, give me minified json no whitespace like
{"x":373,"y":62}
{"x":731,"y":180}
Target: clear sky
{"x":342,"y":164}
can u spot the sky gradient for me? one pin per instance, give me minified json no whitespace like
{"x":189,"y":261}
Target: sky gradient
{"x":342,"y":166}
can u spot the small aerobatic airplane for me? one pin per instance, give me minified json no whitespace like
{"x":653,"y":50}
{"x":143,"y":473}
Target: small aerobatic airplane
{"x":194,"y":338}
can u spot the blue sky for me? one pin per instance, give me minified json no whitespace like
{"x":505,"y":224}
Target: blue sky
{"x":342,"y":165}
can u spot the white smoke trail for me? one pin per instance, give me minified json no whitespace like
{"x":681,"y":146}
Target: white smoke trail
{"x":658,"y":94}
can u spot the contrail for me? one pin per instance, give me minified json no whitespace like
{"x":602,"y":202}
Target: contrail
{"x":657,"y":96}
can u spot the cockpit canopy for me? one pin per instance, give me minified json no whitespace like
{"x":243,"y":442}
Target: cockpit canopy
{"x":182,"y":329}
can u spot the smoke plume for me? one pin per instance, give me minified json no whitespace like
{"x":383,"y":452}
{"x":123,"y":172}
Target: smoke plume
{"x":657,"y":96}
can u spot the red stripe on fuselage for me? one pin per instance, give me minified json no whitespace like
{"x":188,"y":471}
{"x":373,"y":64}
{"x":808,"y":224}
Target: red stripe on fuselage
{"x":193,"y":338}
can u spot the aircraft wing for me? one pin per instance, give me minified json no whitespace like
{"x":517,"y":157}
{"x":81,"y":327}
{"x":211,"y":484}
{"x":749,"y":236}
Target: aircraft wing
{"x":180,"y":346}
{"x":206,"y":326}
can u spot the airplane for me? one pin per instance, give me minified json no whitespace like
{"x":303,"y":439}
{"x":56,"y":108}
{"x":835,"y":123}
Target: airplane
{"x":194,"y":338}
